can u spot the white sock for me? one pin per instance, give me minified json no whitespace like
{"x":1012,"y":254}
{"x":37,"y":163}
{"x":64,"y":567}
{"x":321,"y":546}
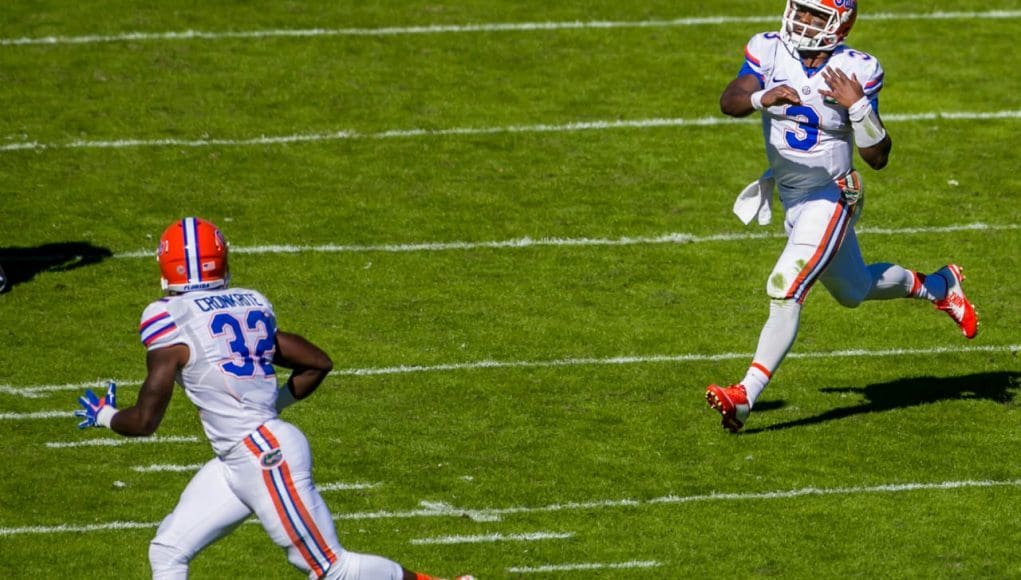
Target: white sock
{"x":755,"y":381}
{"x":893,"y":281}
{"x":775,"y":342}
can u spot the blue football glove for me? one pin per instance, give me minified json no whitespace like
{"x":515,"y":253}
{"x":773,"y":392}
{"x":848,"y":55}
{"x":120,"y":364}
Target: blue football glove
{"x":97,"y":412}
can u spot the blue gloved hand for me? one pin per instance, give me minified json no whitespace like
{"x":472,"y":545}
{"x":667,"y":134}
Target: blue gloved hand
{"x":97,"y":412}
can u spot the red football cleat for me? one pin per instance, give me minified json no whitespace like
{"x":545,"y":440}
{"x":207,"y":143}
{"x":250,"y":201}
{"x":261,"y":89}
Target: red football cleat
{"x":956,"y":303}
{"x":730,"y":402}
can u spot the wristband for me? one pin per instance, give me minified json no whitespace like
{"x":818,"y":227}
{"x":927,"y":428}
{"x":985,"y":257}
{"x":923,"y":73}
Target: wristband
{"x":756,"y":98}
{"x":868,"y":131}
{"x":105,"y":415}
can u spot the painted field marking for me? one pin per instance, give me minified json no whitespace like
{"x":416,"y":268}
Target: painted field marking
{"x":76,"y":529}
{"x":498,"y":513}
{"x":476,"y":28}
{"x":584,"y":566}
{"x":166,"y":468}
{"x":110,"y":442}
{"x":671,"y":358}
{"x":344,"y":486}
{"x":467,"y":131}
{"x":522,"y":243}
{"x":37,"y":390}
{"x":36,"y":415}
{"x":490,"y":538}
{"x":322,"y":488}
{"x":445,"y":509}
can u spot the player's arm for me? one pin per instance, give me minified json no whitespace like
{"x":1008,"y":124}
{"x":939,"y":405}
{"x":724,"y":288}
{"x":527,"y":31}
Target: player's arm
{"x":744,"y":95}
{"x":145,"y":415}
{"x":874,"y":143}
{"x":308,"y":363}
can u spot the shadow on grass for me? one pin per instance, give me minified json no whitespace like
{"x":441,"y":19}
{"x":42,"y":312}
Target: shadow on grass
{"x":23,"y":264}
{"x":910,"y":392}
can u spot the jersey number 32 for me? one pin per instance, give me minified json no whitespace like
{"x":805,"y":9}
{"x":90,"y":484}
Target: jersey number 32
{"x":251,"y":343}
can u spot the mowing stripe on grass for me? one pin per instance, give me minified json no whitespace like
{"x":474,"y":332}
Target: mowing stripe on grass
{"x":489,"y":538}
{"x":405,"y":133}
{"x":495,"y":514}
{"x":583,"y":566}
{"x":122,"y":441}
{"x":35,"y":391}
{"x":474,"y":28}
{"x":521,"y":243}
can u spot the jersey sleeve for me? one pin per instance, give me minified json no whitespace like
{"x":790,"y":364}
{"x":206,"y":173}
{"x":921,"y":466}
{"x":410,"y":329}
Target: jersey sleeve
{"x":874,"y":83}
{"x":867,"y":70}
{"x":757,"y":57}
{"x":158,"y":327}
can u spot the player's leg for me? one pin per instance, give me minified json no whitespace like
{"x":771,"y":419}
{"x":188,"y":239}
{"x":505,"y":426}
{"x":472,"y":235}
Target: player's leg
{"x":354,"y":566}
{"x":206,"y":511}
{"x":816,"y":228}
{"x":271,"y":471}
{"x":851,"y":282}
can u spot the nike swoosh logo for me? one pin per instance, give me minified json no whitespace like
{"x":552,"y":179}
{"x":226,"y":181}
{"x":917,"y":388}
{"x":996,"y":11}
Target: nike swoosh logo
{"x":776,"y":80}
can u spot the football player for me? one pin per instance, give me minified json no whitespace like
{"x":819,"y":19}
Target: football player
{"x":222,"y":344}
{"x":819,"y":99}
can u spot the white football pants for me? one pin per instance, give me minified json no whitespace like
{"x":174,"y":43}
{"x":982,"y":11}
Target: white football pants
{"x":822,"y":245}
{"x":269,"y":474}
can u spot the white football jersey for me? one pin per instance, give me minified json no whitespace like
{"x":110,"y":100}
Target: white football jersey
{"x":231,"y":333}
{"x":808,"y":145}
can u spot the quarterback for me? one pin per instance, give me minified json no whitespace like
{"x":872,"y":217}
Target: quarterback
{"x":819,"y":99}
{"x":222,"y":346}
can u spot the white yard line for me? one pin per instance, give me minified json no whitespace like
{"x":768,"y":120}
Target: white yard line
{"x":37,"y":390}
{"x":584,"y":566}
{"x":344,"y":486}
{"x":673,"y":358}
{"x":496,"y":514}
{"x":475,"y":28}
{"x":490,"y":538}
{"x":167,"y":468}
{"x":111,"y":442}
{"x":177,"y":468}
{"x":406,"y":133}
{"x":36,"y":415}
{"x":521,"y":243}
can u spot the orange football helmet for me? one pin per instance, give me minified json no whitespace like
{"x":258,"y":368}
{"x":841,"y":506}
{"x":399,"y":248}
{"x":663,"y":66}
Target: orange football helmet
{"x":192,"y":256}
{"x":839,"y":15}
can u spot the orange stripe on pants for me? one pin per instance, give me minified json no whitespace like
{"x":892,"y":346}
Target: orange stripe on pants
{"x":820,"y":252}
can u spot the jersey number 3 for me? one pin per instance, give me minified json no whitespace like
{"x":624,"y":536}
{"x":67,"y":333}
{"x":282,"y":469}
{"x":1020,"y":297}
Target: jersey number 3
{"x":259,"y":328}
{"x":807,"y":135}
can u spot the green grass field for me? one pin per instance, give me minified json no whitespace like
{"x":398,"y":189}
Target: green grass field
{"x":510,"y":227}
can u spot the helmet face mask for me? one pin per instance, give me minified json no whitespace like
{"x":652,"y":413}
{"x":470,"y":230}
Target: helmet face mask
{"x":831,"y":22}
{"x":192,"y":256}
